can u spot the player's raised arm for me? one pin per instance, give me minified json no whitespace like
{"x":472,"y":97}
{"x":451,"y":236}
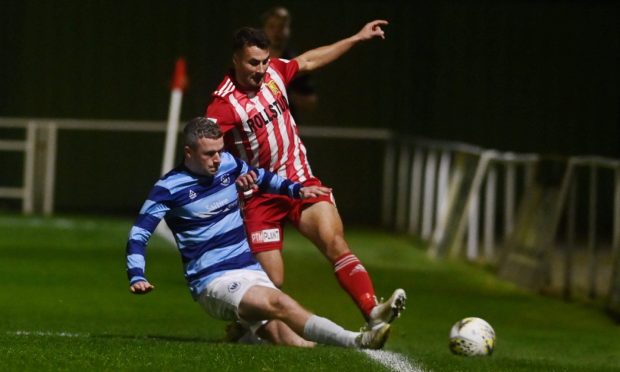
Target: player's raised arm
{"x":319,"y":57}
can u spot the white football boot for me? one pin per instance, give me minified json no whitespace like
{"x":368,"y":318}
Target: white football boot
{"x":386,"y":312}
{"x":374,"y":338}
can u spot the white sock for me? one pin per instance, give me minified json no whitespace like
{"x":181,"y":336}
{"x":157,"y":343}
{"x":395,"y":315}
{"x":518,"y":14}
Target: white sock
{"x":324,"y":331}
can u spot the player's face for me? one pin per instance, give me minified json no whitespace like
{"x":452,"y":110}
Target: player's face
{"x":205,"y":158}
{"x":251,"y":63}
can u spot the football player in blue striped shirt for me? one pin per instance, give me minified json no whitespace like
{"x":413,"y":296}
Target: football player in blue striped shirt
{"x":199,"y":201}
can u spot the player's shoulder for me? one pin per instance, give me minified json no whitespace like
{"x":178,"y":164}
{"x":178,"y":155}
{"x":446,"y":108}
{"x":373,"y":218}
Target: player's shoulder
{"x":167,"y":185}
{"x":228,"y":158}
{"x":174,"y":177}
{"x":229,"y":164}
{"x":285,"y":69}
{"x":226,"y":87}
{"x":231,"y":160}
{"x":282,"y":63}
{"x":220,"y":109}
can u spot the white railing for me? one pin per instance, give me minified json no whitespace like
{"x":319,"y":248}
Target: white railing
{"x":567,"y":206}
{"x":40,"y":153}
{"x":27,"y":146}
{"x":439,"y":194}
{"x":448,"y":194}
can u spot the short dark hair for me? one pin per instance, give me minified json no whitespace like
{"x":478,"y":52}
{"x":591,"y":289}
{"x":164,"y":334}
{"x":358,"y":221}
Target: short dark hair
{"x":200,"y":127}
{"x":248,"y":36}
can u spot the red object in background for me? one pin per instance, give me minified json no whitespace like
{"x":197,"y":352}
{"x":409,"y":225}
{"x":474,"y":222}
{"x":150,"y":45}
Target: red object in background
{"x":179,"y":79}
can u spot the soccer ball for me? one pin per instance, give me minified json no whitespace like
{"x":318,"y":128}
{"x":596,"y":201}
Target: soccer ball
{"x":472,"y":337}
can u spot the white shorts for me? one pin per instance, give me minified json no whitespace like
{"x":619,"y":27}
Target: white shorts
{"x":222,"y":296}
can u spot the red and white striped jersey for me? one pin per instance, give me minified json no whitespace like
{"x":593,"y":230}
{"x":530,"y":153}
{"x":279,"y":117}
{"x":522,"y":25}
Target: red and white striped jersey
{"x":261,"y":129}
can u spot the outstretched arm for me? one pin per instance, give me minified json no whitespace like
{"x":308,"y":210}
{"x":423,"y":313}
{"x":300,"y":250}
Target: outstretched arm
{"x":151,"y":213}
{"x":319,"y":57}
{"x":274,"y":183}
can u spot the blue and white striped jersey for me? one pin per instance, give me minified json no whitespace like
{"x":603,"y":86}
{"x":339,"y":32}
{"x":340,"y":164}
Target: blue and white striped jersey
{"x":204,"y":215}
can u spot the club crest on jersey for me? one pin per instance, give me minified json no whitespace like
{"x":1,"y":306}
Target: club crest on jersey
{"x":273,"y":87}
{"x":232,"y":287}
{"x":266,"y":236}
{"x":225,"y":180}
{"x":192,"y":195}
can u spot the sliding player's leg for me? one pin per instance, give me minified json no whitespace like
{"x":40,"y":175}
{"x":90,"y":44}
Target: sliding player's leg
{"x":261,"y":302}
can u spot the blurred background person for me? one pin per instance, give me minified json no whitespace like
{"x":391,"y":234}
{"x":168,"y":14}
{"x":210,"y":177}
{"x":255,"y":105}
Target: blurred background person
{"x":276,"y":22}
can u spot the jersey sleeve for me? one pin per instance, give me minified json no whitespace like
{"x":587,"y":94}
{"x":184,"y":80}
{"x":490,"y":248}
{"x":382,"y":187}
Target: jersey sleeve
{"x":222,"y":113}
{"x":273,"y":184}
{"x":151,"y":213}
{"x":268,"y":182}
{"x":287,"y":68}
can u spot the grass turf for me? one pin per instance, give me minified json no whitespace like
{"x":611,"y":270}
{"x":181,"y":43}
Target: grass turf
{"x":65,"y":305}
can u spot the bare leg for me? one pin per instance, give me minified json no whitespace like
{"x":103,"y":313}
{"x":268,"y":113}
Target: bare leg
{"x":273,"y":264}
{"x":321,"y":224}
{"x":267,"y":303}
{"x":279,"y":333}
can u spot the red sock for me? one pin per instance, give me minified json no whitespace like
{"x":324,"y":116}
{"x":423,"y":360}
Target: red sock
{"x":354,"y":278}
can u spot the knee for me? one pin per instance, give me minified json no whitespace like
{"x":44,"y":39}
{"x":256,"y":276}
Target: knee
{"x":281,"y":305}
{"x":336,"y":247}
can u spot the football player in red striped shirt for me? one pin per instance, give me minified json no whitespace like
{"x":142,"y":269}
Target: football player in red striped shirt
{"x":251,"y":105}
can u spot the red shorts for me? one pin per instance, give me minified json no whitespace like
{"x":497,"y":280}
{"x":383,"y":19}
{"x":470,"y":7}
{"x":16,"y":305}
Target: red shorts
{"x":265,"y":214}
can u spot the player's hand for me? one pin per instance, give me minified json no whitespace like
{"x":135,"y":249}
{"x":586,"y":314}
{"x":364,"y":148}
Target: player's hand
{"x":314,"y":191}
{"x":141,"y":287}
{"x":373,"y":29}
{"x":247,"y":181}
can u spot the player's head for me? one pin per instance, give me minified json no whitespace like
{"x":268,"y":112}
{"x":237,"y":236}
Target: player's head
{"x":203,"y":145}
{"x":250,"y":57}
{"x":276,"y":23}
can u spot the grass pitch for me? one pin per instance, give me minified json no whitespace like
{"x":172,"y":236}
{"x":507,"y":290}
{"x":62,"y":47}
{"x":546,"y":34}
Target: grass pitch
{"x":65,"y":305}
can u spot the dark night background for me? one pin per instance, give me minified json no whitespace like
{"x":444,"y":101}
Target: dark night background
{"x":524,"y":76}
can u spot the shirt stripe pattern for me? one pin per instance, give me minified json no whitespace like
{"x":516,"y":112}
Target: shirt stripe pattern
{"x":260,"y":128}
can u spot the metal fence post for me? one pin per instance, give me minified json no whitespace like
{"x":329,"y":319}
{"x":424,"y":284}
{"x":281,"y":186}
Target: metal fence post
{"x":28,"y":196}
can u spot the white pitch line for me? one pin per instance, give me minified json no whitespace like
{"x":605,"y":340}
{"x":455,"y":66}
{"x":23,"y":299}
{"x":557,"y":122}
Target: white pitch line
{"x":394,"y":361}
{"x":40,"y":333}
